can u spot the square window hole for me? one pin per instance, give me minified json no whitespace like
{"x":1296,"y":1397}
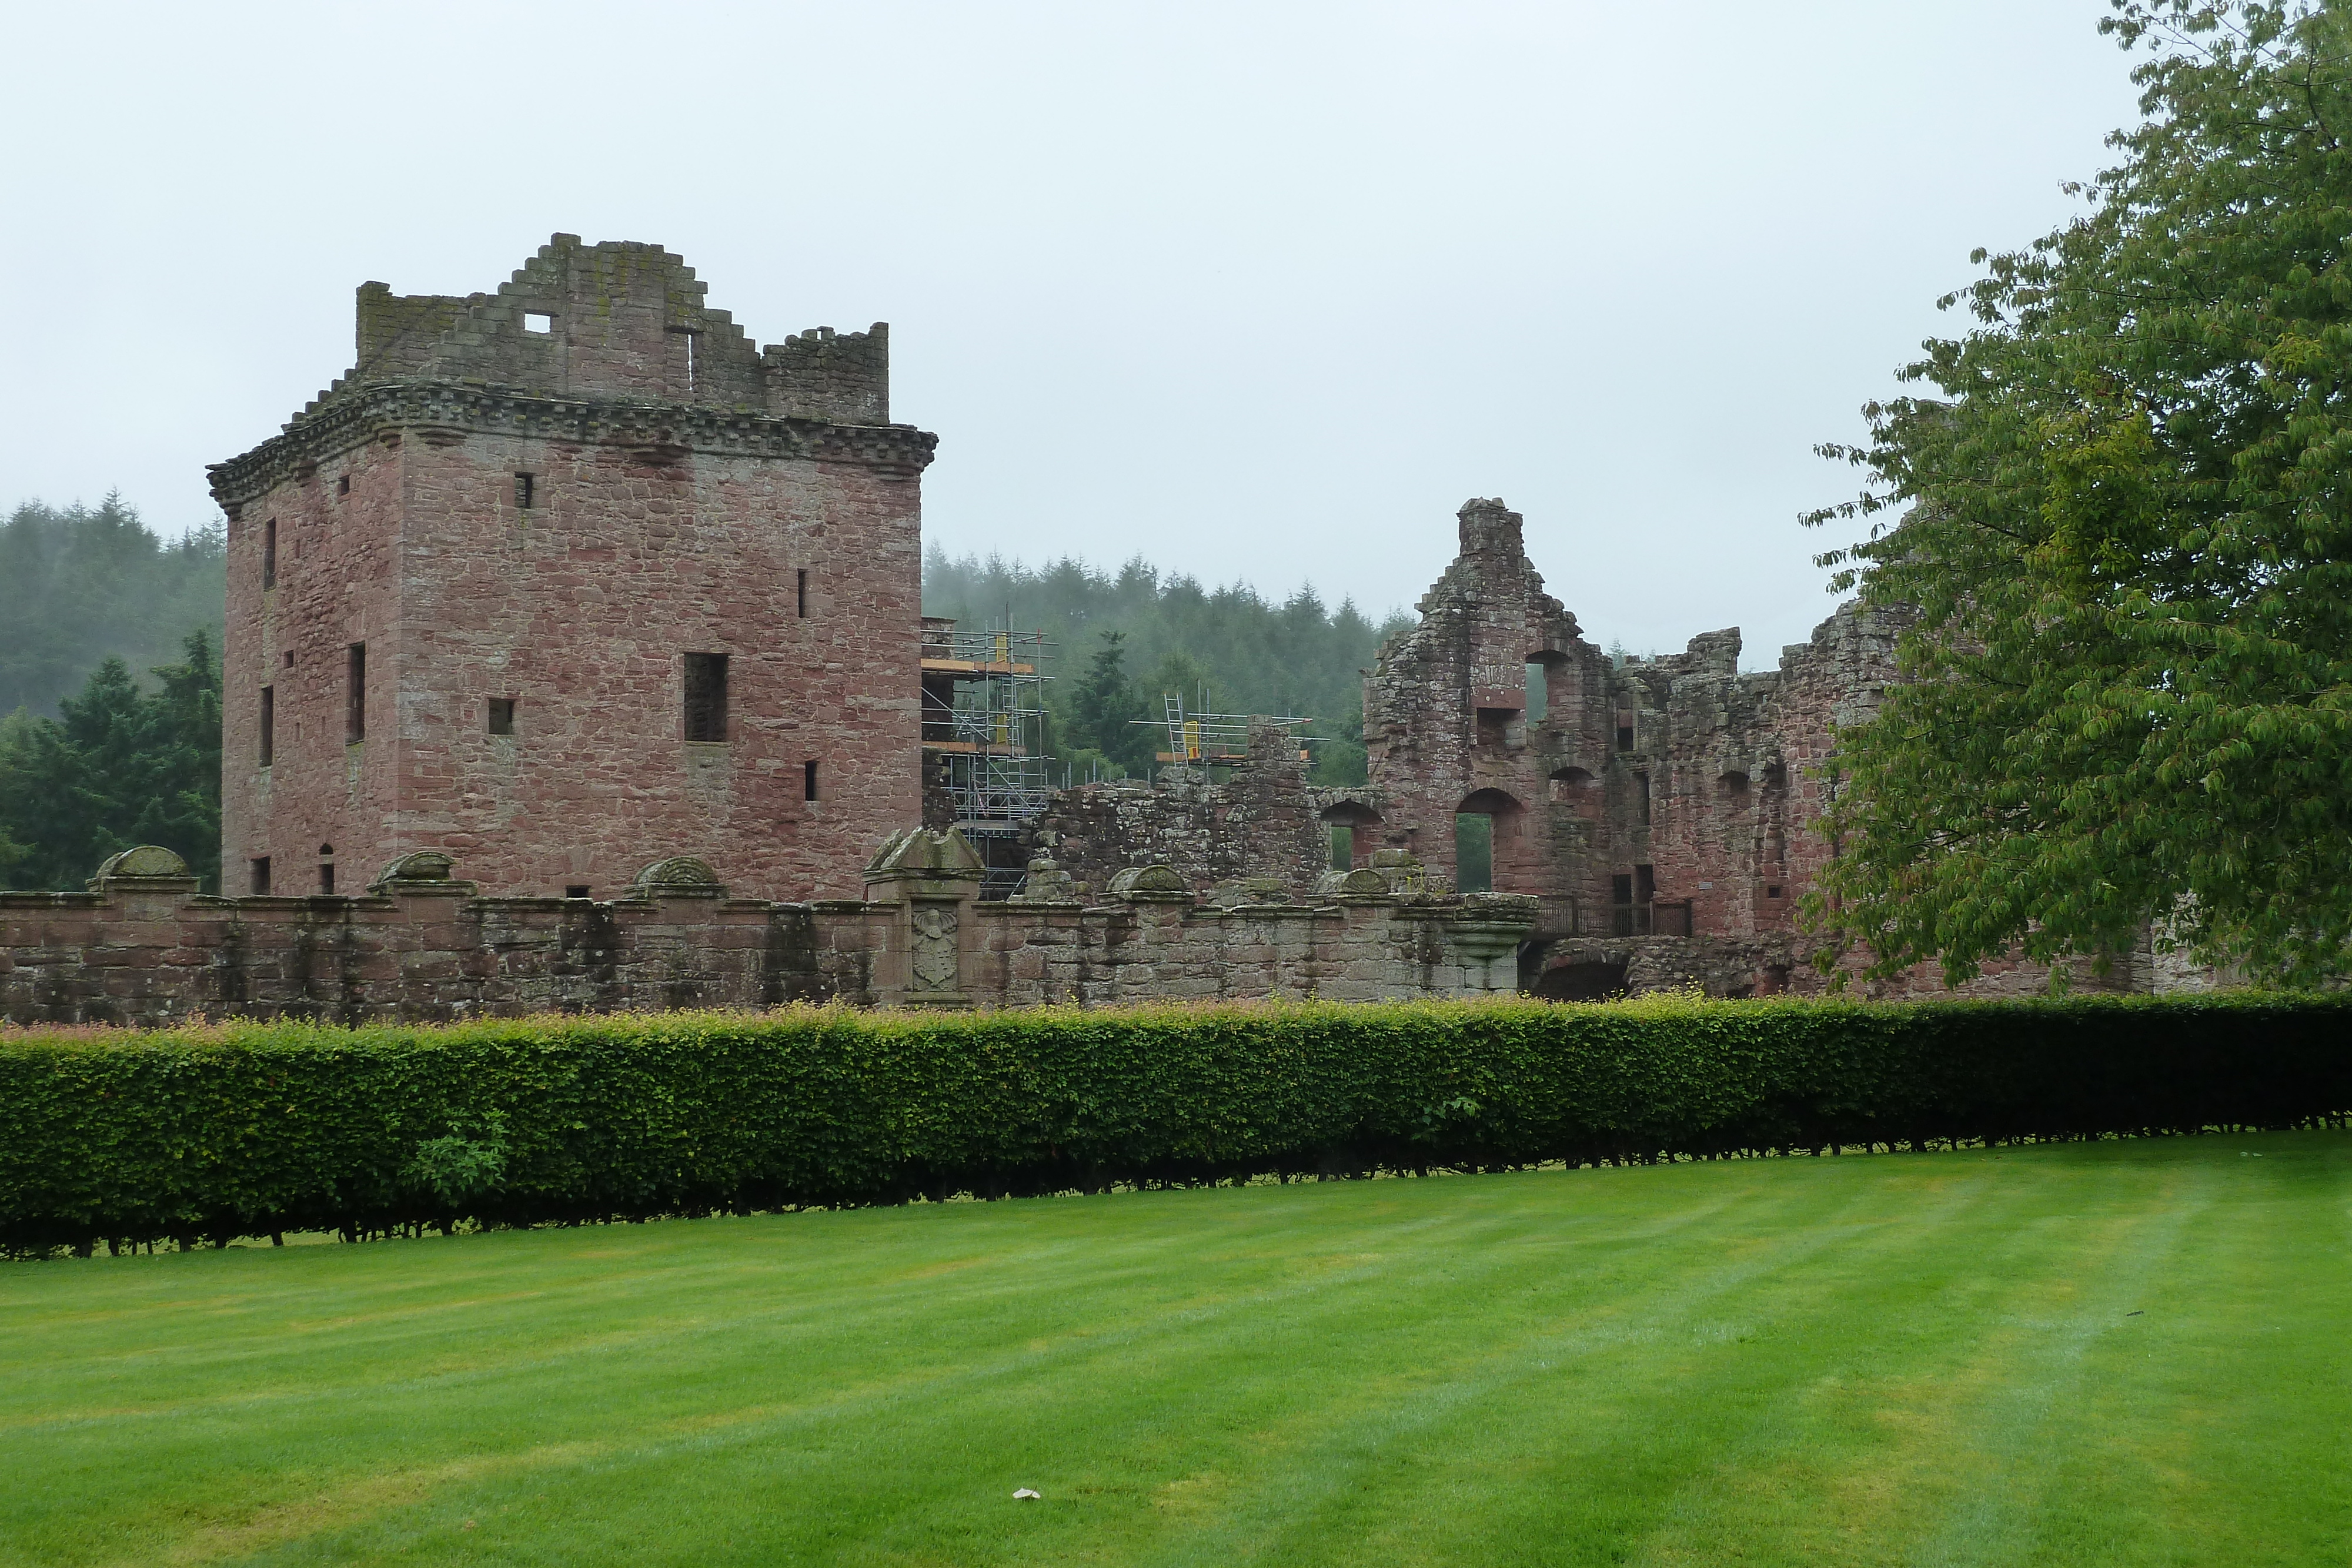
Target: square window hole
{"x":538,"y":322}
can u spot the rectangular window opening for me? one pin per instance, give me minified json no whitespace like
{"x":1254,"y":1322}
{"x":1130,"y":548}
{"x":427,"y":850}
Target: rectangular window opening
{"x":502,"y":716}
{"x":705,"y":698}
{"x":1645,"y":884}
{"x":1624,"y":731}
{"x":526,"y":491}
{"x":260,"y":869}
{"x":269,"y":553}
{"x":269,"y":725}
{"x":343,"y":485}
{"x":327,"y":878}
{"x":802,"y":592}
{"x":576,"y":890}
{"x":538,"y":322}
{"x":1474,"y":851}
{"x":1343,"y":846}
{"x":808,"y":780}
{"x":1771,"y":892}
{"x":355,"y":695}
{"x":1538,"y":693}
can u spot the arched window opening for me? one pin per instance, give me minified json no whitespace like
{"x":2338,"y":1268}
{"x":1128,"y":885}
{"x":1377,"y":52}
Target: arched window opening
{"x":1485,"y":840}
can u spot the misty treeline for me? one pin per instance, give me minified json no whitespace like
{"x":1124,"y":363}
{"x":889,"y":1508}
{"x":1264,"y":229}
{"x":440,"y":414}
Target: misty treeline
{"x":109,"y":675}
{"x":1125,"y":639}
{"x":109,"y":692}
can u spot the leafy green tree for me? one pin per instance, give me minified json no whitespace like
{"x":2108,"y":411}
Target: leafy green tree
{"x":117,"y":768}
{"x":2123,"y":530}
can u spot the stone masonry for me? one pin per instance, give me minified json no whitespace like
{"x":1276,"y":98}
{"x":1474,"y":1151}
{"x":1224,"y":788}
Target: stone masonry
{"x":479,"y":587}
{"x":576,"y":587}
{"x":1256,"y":835}
{"x":1661,"y":815}
{"x":418,"y":944}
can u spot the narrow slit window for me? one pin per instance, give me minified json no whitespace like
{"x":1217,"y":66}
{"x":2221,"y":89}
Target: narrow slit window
{"x":268,"y":748}
{"x":538,"y":322}
{"x":355,"y":694}
{"x":705,"y":697}
{"x":1642,"y":797}
{"x":801,"y":590}
{"x":258,"y":870}
{"x":502,"y":716}
{"x":269,"y":553}
{"x":1343,"y":846}
{"x":1538,"y":694}
{"x":808,"y":780}
{"x":343,"y":485}
{"x":526,"y":491}
{"x":327,"y":878}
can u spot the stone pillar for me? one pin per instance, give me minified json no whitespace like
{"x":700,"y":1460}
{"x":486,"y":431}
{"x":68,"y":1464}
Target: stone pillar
{"x":927,"y":881}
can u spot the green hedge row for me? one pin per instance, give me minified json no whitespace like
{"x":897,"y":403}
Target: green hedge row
{"x":247,"y":1129}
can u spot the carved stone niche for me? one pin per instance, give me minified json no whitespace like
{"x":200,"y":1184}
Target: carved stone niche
{"x":931,"y":877}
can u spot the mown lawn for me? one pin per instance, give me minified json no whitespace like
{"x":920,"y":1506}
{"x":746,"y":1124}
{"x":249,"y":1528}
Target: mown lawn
{"x":2122,"y":1352}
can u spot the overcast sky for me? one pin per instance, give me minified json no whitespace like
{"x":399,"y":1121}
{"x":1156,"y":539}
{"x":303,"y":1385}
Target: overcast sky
{"x":1258,"y":292}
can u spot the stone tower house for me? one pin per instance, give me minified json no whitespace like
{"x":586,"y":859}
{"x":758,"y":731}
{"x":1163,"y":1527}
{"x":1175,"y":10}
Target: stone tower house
{"x":568,"y":578}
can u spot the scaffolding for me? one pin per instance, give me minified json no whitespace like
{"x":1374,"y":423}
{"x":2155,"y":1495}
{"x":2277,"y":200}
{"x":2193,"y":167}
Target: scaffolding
{"x":984,"y":718}
{"x":1199,"y":739}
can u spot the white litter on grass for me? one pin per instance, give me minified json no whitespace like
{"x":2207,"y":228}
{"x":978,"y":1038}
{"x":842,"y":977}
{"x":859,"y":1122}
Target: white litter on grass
{"x":1025,"y":1491}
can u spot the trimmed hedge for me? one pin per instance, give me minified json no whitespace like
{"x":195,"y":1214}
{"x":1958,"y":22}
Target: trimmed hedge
{"x":217,"y":1131}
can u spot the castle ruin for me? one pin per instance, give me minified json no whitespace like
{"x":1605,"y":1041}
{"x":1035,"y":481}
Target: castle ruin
{"x":587,"y":634}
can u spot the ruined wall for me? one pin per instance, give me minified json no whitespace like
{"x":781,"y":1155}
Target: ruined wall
{"x":142,"y":947}
{"x":1668,"y":806}
{"x":1259,"y":825}
{"x":672,"y":509}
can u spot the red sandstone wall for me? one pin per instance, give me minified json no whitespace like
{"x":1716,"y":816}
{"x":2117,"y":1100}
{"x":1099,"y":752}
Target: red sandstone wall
{"x":678,"y":519}
{"x":155,"y":956}
{"x":580,"y":610}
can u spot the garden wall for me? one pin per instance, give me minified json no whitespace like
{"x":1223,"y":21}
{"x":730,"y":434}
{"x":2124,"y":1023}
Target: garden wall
{"x":142,"y":946}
